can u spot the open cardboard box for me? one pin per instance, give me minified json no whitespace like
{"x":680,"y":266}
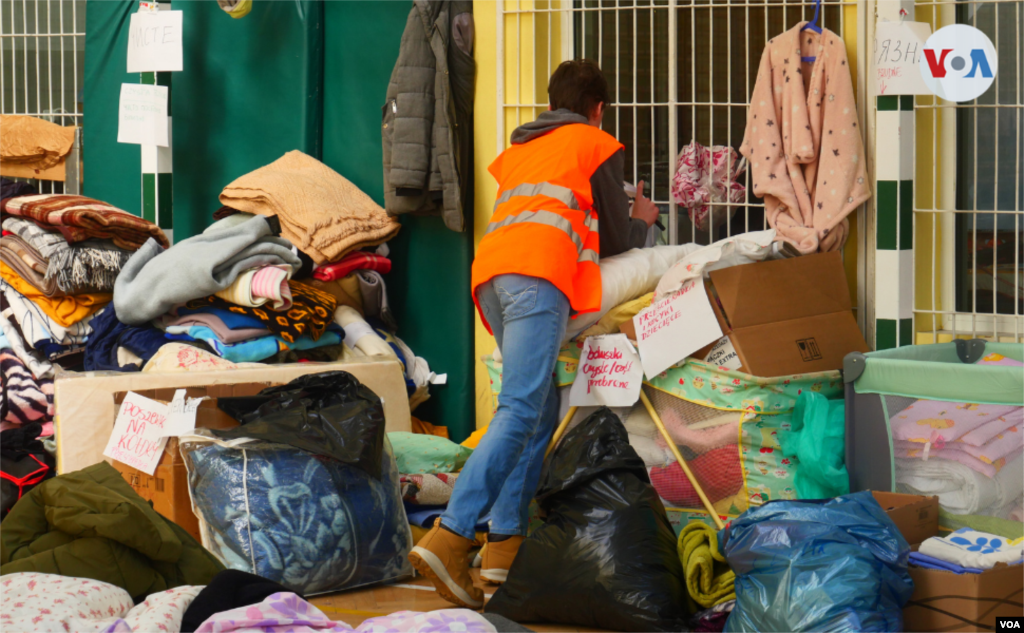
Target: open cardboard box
{"x":167,"y":487}
{"x":942,"y":600}
{"x":787,"y":316}
{"x":783,"y":317}
{"x":86,"y":407}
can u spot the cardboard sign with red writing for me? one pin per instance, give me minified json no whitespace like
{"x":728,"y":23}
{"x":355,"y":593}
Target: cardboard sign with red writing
{"x":609,"y":373}
{"x":675,"y":327}
{"x":138,"y":439}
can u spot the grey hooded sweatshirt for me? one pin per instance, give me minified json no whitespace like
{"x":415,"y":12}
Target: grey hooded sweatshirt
{"x":618,"y":232}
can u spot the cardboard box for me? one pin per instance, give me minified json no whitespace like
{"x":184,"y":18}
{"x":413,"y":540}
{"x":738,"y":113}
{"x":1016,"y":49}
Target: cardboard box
{"x":942,"y":600}
{"x":917,"y":517}
{"x":167,"y":487}
{"x":787,"y":316}
{"x":85,"y":407}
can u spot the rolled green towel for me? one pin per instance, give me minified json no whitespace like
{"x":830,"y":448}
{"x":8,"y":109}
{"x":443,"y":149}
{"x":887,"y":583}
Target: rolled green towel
{"x":709,"y":580}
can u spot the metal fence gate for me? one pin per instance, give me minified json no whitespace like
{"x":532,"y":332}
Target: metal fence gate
{"x":678,"y":70}
{"x":969,"y":202}
{"x":42,"y":61}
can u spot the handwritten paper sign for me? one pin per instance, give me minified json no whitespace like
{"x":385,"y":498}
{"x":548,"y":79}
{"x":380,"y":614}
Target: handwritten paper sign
{"x":138,"y":439}
{"x":609,"y":373}
{"x":142,"y":115}
{"x":154,"y":41}
{"x":181,"y":415}
{"x":898,"y":50}
{"x":723,"y":355}
{"x":675,"y":327}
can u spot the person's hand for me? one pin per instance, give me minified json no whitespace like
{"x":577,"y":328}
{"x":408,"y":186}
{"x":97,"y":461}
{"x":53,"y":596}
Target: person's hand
{"x":643,"y":208}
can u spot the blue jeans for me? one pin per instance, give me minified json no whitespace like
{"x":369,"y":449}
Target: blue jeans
{"x":528,"y":317}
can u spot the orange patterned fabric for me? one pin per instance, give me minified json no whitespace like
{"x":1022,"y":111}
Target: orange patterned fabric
{"x":312,"y":311}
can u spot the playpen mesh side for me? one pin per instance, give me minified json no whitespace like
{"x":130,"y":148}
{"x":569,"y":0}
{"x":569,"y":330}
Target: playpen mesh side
{"x":974,"y":489}
{"x":708,"y":440}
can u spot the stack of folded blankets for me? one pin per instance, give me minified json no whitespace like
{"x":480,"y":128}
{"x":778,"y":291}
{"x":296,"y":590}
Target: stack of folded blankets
{"x":969,"y":455}
{"x":59,"y":258}
{"x":282,"y":275}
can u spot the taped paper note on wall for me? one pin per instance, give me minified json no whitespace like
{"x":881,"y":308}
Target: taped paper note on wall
{"x":154,"y":41}
{"x":142,"y":115}
{"x":897,"y":57}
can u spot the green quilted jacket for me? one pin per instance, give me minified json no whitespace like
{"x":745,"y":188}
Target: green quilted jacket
{"x":91,"y":524}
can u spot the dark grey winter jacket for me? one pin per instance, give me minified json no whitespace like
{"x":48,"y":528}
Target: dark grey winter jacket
{"x":427,"y":125}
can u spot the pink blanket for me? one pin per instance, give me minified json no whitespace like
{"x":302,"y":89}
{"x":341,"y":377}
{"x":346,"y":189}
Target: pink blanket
{"x":939,"y":422}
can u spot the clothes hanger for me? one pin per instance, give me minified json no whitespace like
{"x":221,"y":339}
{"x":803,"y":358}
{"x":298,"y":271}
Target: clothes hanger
{"x":813,"y":26}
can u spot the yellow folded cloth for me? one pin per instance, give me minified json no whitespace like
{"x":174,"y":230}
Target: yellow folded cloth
{"x":709,"y":581}
{"x":66,"y":310}
{"x":474,"y":440}
{"x":610,"y":322}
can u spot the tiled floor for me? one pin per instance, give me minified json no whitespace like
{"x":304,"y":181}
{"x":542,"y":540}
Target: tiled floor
{"x":410,"y":595}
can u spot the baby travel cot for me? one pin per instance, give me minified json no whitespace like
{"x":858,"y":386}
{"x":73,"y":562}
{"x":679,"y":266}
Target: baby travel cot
{"x":944,"y":420}
{"x":727,"y":425}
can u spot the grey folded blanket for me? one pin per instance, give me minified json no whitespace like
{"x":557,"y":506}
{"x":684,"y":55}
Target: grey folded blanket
{"x":155,"y":280}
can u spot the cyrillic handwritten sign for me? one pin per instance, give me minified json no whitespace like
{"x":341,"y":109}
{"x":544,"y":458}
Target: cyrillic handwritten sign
{"x":154,"y":41}
{"x":898,"y":50}
{"x":142,"y":115}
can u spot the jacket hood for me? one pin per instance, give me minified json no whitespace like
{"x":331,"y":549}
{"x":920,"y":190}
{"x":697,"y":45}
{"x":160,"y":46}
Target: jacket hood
{"x":546,"y":122}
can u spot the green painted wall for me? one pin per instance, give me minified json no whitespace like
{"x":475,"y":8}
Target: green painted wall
{"x":291,"y":75}
{"x":429,"y":282}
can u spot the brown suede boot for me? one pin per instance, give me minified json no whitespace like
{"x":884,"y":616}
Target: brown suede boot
{"x":498,"y":557}
{"x":443,"y":557}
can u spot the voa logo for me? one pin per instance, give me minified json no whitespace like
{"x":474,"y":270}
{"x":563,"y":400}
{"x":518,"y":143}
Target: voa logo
{"x":959,"y":63}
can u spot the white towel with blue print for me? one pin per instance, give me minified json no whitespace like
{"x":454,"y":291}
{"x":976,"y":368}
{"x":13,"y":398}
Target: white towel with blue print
{"x":970,"y":548}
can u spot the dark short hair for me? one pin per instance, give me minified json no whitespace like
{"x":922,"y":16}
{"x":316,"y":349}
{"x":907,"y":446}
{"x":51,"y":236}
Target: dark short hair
{"x":577,"y":85}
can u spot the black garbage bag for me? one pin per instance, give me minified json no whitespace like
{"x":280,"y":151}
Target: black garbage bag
{"x":606,"y":555}
{"x":330,"y":414}
{"x":24,"y":464}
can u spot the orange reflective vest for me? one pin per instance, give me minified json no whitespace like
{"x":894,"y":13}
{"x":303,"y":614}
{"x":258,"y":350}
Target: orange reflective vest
{"x":544,"y":223}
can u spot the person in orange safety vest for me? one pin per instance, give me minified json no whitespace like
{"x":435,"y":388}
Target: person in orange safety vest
{"x":561,"y":207}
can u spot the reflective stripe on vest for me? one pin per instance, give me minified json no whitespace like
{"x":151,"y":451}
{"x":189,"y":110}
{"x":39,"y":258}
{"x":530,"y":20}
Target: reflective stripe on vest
{"x":550,"y":218}
{"x":562,"y":194}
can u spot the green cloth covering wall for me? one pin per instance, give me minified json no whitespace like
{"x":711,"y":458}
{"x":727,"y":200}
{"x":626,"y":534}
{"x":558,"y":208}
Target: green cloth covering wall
{"x":249,"y":92}
{"x":429,"y":283}
{"x":290,"y":75}
{"x":111,"y":171}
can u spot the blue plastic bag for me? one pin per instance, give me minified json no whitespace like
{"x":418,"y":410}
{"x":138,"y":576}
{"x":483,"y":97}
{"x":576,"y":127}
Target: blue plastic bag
{"x":836,"y":565}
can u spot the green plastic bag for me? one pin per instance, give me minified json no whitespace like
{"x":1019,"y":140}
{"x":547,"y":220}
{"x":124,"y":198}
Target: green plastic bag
{"x":817,"y":439}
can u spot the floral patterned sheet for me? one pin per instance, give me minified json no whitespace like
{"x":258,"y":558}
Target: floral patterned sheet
{"x":47,"y":602}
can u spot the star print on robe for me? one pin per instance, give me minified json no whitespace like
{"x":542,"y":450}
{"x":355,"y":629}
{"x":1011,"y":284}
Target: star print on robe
{"x":803,"y":117}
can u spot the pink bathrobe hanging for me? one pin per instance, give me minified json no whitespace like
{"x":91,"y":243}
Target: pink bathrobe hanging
{"x":803,"y":140}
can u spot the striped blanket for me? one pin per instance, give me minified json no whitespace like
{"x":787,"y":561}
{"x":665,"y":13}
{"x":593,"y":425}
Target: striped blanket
{"x":79,"y":218}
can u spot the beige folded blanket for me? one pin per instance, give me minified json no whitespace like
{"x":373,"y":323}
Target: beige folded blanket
{"x":321,"y":212}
